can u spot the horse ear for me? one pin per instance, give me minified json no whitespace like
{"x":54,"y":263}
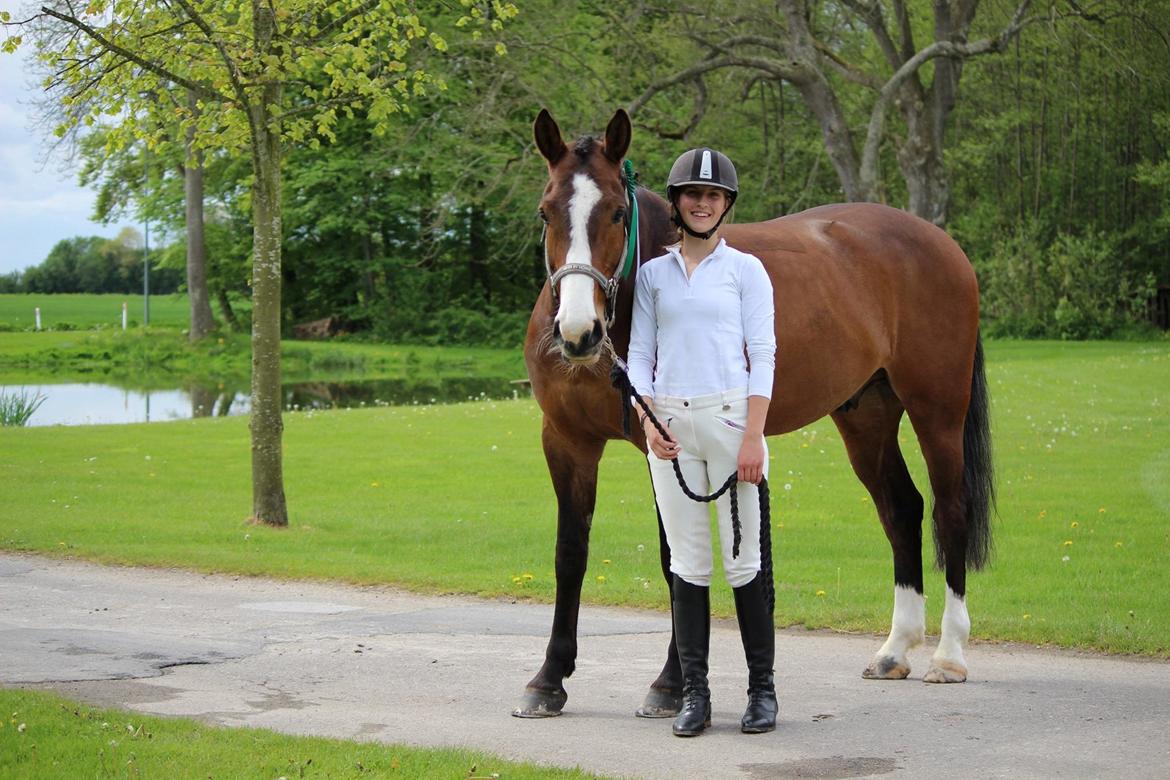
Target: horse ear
{"x":617,"y":136}
{"x":548,"y":137}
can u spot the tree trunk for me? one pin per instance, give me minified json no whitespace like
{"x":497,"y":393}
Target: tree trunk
{"x":225,"y":308}
{"x":267,"y":427}
{"x":202,"y":322}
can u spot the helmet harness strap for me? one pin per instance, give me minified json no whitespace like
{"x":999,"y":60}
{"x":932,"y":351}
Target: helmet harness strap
{"x":677,"y":219}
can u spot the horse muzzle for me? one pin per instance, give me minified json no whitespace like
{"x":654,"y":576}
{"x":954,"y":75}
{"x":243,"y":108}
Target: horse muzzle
{"x":584,"y":347}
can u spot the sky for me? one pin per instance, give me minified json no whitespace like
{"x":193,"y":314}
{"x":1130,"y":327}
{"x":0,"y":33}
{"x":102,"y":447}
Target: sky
{"x":40,"y":204}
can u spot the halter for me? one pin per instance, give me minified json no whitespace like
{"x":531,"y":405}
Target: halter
{"x":609,"y":285}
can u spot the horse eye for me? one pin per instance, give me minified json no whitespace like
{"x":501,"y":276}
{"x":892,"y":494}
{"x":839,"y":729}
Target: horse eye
{"x":542,"y":215}
{"x":619,"y":215}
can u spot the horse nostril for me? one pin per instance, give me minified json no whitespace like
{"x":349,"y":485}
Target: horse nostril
{"x":557,"y":331}
{"x":596,"y":335}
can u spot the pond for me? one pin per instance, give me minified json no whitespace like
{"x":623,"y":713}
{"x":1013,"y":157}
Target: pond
{"x":101,"y":404}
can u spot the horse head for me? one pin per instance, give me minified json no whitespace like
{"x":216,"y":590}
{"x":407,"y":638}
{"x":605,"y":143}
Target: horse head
{"x":586,"y":213}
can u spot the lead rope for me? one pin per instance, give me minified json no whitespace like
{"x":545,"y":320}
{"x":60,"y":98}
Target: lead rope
{"x":621,"y":381}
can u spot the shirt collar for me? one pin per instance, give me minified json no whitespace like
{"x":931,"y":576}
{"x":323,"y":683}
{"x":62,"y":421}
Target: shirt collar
{"x":676,"y":251}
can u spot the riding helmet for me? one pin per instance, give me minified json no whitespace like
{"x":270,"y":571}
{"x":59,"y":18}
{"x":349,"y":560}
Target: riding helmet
{"x":702,"y":166}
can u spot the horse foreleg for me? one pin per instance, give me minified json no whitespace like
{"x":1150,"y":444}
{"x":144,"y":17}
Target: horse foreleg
{"x":664,"y":699}
{"x":572,"y":465}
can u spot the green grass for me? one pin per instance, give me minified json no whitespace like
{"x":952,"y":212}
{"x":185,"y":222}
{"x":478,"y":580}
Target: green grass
{"x":88,"y":310}
{"x":44,"y":736}
{"x":457,"y":498}
{"x":156,"y":358}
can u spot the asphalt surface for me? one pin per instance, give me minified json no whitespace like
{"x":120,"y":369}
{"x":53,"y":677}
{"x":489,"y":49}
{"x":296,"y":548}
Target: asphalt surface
{"x":381,"y":664}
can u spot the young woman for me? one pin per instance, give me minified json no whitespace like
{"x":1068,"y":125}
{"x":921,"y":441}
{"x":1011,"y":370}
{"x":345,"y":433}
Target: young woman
{"x":697,"y":309}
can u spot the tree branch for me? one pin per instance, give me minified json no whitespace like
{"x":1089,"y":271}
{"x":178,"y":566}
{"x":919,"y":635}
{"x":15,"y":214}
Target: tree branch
{"x":201,"y":89}
{"x":229,"y":63}
{"x":873,"y":136}
{"x":871,"y":14}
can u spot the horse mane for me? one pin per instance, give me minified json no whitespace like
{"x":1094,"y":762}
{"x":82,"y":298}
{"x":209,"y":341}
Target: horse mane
{"x":584,"y":147}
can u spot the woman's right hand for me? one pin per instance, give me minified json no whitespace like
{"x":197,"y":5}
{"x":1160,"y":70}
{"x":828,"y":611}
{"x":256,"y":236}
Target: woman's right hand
{"x":663,"y":448}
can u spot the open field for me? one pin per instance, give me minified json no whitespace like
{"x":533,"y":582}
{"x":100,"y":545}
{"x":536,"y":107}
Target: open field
{"x":89,"y":310}
{"x":457,"y":498}
{"x":43,"y":735}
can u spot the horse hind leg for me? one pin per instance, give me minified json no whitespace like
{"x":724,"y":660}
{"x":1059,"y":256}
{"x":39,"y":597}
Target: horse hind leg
{"x":870,"y":433}
{"x":942,"y":448}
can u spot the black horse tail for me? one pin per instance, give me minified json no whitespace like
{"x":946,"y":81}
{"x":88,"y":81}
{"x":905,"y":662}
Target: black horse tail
{"x":978,"y":474}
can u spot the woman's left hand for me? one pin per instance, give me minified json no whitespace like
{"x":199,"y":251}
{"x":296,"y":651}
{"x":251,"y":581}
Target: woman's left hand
{"x":750,"y":466}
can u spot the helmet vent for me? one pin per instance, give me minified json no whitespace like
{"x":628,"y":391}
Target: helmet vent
{"x":705,"y":165}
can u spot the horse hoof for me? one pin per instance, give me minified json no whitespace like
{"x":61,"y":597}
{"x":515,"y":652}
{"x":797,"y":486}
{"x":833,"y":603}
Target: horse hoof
{"x":945,"y":672}
{"x":660,"y":704}
{"x":887,"y":668}
{"x":541,"y":704}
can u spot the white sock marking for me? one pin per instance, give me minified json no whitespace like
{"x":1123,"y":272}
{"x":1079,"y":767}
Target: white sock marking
{"x":908,"y":628}
{"x":956,"y":629}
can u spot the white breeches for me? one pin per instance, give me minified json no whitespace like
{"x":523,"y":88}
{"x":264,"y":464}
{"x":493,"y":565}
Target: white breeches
{"x":710,"y":431}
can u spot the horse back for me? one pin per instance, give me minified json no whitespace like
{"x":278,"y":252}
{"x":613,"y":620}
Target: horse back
{"x":859,"y":287}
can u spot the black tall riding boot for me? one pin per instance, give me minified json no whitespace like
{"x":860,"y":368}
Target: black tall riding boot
{"x":692,"y":635}
{"x":759,"y":646}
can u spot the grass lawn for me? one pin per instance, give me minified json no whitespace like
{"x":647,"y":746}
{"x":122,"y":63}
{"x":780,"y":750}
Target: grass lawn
{"x":89,"y":310}
{"x":159,"y":357}
{"x":44,"y":736}
{"x":457,"y":498}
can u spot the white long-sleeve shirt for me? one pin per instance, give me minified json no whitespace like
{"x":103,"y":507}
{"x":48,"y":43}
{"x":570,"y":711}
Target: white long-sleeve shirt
{"x":688,"y":335}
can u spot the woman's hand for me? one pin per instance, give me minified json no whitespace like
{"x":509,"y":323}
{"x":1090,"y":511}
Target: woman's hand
{"x":664,"y":449}
{"x":750,"y":465}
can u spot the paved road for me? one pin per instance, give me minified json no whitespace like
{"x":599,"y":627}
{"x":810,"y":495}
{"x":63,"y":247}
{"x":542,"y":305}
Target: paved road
{"x":381,"y":664}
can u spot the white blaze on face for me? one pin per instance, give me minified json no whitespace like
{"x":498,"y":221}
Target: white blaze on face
{"x":577,"y":312}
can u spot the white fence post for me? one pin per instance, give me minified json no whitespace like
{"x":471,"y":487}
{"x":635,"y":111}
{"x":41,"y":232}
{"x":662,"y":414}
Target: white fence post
{"x":38,"y":312}
{"x":123,"y":315}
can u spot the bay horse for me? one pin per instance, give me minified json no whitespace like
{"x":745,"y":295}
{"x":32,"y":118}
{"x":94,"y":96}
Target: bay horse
{"x":877,"y":313}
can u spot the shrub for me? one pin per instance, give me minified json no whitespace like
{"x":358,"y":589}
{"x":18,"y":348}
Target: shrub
{"x":1075,"y":287}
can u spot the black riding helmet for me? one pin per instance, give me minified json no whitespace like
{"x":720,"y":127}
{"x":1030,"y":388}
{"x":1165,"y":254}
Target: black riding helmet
{"x":701,"y":166}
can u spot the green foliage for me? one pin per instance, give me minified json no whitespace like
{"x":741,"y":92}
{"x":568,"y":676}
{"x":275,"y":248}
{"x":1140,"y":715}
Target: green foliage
{"x":1074,"y":287}
{"x":92,"y":265}
{"x":46,"y":736}
{"x":1057,"y":147}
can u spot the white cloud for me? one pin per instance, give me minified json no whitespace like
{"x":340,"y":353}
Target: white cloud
{"x":39,"y":204}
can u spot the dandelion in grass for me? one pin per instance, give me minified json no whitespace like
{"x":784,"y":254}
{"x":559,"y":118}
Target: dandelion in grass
{"x":1068,"y":542}
{"x":527,"y":577}
{"x":1073,"y":524}
{"x":1043,"y":513}
{"x":1118,"y":545}
{"x":601,"y":578}
{"x":1027,"y":616}
{"x":606,"y":562}
{"x":517,"y":581}
{"x":820,"y":594}
{"x":1101,"y":511}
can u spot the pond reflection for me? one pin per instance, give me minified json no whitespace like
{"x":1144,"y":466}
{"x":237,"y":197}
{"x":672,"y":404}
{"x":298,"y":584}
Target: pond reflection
{"x":103,"y":404}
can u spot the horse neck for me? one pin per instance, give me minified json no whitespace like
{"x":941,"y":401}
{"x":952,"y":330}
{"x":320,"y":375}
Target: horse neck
{"x":655,"y":233}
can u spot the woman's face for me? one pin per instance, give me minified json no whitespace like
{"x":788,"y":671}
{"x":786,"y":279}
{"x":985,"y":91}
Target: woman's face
{"x":701,"y":207}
